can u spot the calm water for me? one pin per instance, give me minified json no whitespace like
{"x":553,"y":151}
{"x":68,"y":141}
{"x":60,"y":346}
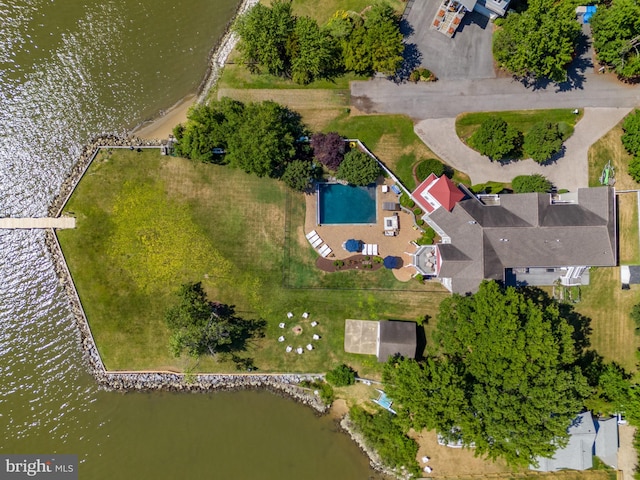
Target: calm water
{"x":70,"y":69}
{"x":346,"y":204}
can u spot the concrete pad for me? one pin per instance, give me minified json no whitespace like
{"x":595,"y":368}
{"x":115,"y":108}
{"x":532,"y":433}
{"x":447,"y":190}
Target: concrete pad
{"x":361,"y":336}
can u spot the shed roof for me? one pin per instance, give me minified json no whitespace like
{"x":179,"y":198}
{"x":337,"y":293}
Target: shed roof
{"x":397,"y":337}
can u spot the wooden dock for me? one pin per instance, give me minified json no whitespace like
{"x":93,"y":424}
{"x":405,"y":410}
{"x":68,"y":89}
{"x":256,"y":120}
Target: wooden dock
{"x":44,"y":222}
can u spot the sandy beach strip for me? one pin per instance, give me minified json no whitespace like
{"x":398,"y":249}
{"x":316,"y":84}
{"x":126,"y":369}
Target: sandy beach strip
{"x":162,"y":127}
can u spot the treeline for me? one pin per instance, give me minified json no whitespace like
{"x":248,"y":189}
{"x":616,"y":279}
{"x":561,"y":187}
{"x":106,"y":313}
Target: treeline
{"x":541,"y":41}
{"x":273,"y":40}
{"x":269,"y":140}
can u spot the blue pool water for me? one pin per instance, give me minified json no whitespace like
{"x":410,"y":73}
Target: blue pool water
{"x":342,"y":204}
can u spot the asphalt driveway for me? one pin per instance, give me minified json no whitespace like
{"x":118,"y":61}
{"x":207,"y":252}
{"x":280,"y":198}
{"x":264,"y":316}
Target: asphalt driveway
{"x":465,"y":56}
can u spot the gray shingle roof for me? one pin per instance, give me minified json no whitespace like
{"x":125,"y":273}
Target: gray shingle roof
{"x":578,"y":454}
{"x":397,"y":337}
{"x":526,"y":230}
{"x":607,"y":442}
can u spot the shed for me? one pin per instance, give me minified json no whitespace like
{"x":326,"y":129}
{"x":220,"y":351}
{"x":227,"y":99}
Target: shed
{"x":396,"y":337}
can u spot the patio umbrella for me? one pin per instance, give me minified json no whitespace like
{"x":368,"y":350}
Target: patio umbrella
{"x":391,"y":262}
{"x":353,"y":245}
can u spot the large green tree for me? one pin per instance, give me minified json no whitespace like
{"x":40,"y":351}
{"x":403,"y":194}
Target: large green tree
{"x":496,"y":139}
{"x":542,"y":141}
{"x":501,"y":374}
{"x":314,"y":51}
{"x":265,"y":37}
{"x":358,"y":168}
{"x":615,"y":28}
{"x":199,"y":326}
{"x":538,"y":43}
{"x":383,"y":39}
{"x":631,"y":136}
{"x":266,"y":139}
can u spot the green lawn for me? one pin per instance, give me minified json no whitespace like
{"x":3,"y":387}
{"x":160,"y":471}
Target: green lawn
{"x":147,"y":223}
{"x":523,"y":120}
{"x":608,"y":306}
{"x":392,"y":139}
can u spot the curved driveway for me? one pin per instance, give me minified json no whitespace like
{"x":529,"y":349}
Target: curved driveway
{"x":570,"y":171}
{"x":434,"y":107}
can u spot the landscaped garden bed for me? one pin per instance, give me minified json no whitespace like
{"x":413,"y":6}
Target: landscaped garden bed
{"x":355,"y":262}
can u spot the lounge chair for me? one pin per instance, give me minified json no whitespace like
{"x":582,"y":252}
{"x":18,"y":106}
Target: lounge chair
{"x":309,"y":347}
{"x":281,"y":338}
{"x":312,"y":233}
{"x":316,"y":336}
{"x":281,"y":325}
{"x":314,"y":323}
{"x":288,"y":349}
{"x":299,"y":350}
{"x":374,"y":249}
{"x":326,"y":251}
{"x":289,"y":315}
{"x":316,"y":243}
{"x":305,"y":315}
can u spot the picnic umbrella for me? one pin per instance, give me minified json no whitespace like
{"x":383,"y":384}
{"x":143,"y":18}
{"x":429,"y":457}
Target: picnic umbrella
{"x":391,"y":262}
{"x":352,"y":245}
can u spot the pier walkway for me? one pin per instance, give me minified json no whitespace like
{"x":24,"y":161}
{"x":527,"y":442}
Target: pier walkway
{"x":44,"y":222}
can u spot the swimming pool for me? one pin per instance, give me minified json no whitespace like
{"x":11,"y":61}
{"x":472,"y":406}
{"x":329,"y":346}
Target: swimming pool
{"x":346,"y":204}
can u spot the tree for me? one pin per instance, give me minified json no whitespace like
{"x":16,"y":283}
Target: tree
{"x":501,"y":373}
{"x":358,"y":168}
{"x":530,"y":183}
{"x":631,"y":136}
{"x":265,"y":37}
{"x":328,"y":149}
{"x":265,"y":141}
{"x":383,"y":38}
{"x":207,"y":127}
{"x":314,"y":51}
{"x":199,"y":326}
{"x":538,"y":43}
{"x":429,"y":166}
{"x":543,"y":141}
{"x":614,"y":28}
{"x":341,"y":376}
{"x":495,"y":138}
{"x":634,"y":168}
{"x":297,"y":175}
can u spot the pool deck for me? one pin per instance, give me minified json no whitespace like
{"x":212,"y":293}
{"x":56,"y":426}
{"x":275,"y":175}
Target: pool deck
{"x":336,"y":235}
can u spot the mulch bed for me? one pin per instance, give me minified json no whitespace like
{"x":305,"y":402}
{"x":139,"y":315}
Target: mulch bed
{"x":355,"y":262}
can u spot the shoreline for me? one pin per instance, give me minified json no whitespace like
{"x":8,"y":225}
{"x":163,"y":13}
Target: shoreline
{"x":161,"y":126}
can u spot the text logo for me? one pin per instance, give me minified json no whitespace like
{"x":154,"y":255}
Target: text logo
{"x":45,"y":467}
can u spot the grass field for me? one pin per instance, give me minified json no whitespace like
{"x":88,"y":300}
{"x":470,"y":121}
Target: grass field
{"x":523,"y":120}
{"x":608,"y":307}
{"x":628,"y":239}
{"x":610,"y":148}
{"x":186,"y":221}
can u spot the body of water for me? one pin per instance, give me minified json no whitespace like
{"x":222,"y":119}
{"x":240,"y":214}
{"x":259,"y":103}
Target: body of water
{"x":71,"y":69}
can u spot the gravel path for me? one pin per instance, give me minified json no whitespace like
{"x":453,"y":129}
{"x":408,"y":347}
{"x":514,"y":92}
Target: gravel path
{"x":627,"y":458}
{"x":570,"y":171}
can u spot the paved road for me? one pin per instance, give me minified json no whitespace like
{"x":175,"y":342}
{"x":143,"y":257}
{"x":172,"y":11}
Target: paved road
{"x":447,"y":99}
{"x":45,"y":222}
{"x":569,"y":171}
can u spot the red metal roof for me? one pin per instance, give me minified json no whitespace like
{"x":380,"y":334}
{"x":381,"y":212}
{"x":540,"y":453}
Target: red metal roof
{"x":417,"y":193}
{"x":446,"y":193}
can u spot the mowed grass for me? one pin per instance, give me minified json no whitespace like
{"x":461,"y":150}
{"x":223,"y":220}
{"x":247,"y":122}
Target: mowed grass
{"x":608,"y":306}
{"x":629,"y":242}
{"x":392,"y":139}
{"x":229,"y":231}
{"x":523,"y":120}
{"x":610,"y":148}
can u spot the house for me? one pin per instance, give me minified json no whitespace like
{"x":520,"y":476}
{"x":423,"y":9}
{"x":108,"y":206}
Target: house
{"x":587,"y":437}
{"x":383,"y":339}
{"x":519,"y":239}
